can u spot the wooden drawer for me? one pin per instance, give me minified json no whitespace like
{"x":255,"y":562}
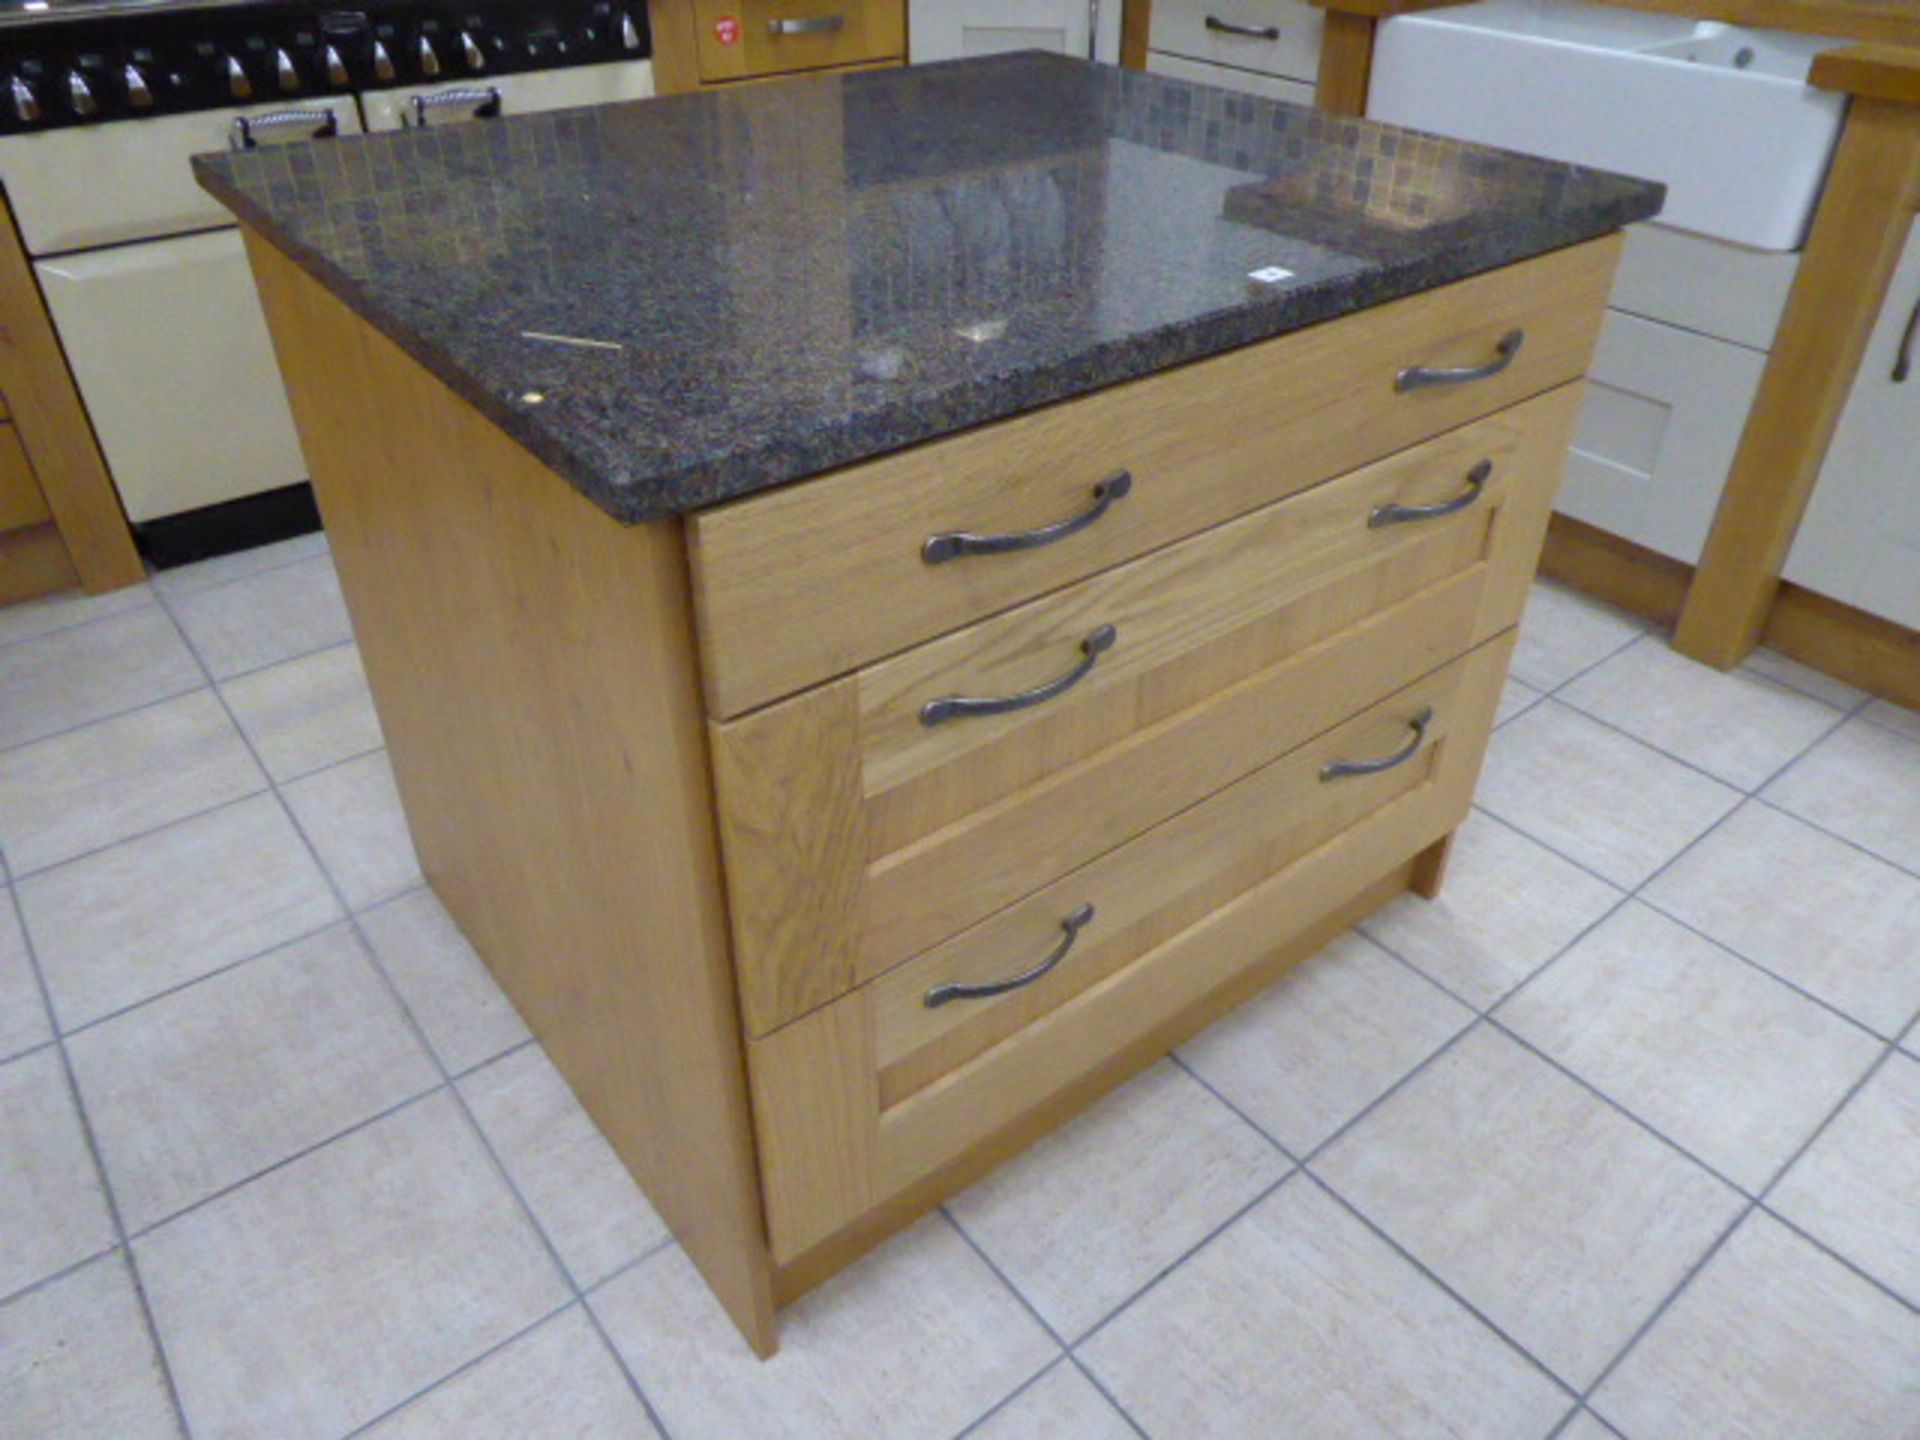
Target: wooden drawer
{"x":855,"y":835}
{"x":21,"y":502}
{"x":862,"y":1098}
{"x":808,"y":582}
{"x":1279,"y":37}
{"x":779,"y":36}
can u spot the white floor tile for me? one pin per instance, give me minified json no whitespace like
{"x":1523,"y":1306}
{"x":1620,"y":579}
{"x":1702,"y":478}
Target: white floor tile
{"x":1857,"y":1189}
{"x":1585,"y":1427}
{"x":1720,"y":1058}
{"x":581,"y":1195}
{"x":447,"y":987}
{"x":308,"y":713}
{"x":73,"y":676}
{"x":1771,"y":1341}
{"x":141,"y":917}
{"x":916,"y":1340}
{"x":184,"y":580}
{"x":1092,"y":1213}
{"x":1804,"y":678}
{"x":52,"y":1211}
{"x":1863,"y":783}
{"x":325,"y":1293}
{"x":1897,"y":718}
{"x":1516,"y":695}
{"x":1816,"y":911}
{"x":76,"y":1362}
{"x":352,"y":814}
{"x":557,"y":1382}
{"x":1599,"y":797}
{"x":1732,"y":724}
{"x":91,"y":787}
{"x":31,"y":618}
{"x":1061,"y":1405}
{"x":1316,"y":1049}
{"x":23,"y":1014}
{"x":1507,"y":907}
{"x":1564,"y":1222}
{"x":213,"y":1083}
{"x":1563,"y":632}
{"x":1298,"y":1323}
{"x":266,"y":617}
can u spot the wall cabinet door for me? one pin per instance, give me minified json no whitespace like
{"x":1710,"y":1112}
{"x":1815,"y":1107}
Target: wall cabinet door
{"x":1860,"y":541}
{"x":954,"y":29}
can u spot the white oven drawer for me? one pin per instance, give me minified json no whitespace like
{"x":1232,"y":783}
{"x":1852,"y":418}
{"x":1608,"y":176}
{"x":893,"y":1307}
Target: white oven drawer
{"x":519,"y":94}
{"x":1279,"y":37}
{"x":104,"y":184}
{"x":169,"y":346}
{"x":1227,"y":77}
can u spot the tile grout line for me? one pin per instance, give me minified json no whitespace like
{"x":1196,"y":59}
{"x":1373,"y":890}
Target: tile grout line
{"x":20,"y":877}
{"x":53,"y":1277}
{"x":75,"y":1098}
{"x":371,"y":957}
{"x":972,"y":1427}
{"x":70,"y":626}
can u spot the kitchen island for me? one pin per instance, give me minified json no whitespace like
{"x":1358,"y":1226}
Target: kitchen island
{"x":895,"y":599}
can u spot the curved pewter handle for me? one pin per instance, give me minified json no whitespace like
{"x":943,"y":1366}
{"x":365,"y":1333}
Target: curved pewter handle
{"x":939,"y":549}
{"x":1477,"y":479}
{"x":1072,"y":926}
{"x":951,"y":707}
{"x":485,"y":103}
{"x":1418,"y":724}
{"x":1418,"y":377}
{"x":1234,"y":27}
{"x":324,"y":124}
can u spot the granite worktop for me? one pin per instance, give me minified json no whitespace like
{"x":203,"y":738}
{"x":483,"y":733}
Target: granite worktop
{"x":679,"y":301}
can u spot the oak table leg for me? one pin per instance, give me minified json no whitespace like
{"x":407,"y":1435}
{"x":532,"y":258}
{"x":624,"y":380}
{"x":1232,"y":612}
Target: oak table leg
{"x":1430,"y":867}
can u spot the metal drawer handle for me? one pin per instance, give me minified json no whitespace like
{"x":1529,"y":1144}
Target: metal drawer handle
{"x":1251,"y":32}
{"x":809,"y":25}
{"x":950,"y":707}
{"x":1418,"y":724}
{"x":485,"y":104}
{"x":1072,"y":925}
{"x":1477,"y":479}
{"x":939,"y":549}
{"x":1416,"y":377}
{"x":323,"y":123}
{"x":1903,"y":362}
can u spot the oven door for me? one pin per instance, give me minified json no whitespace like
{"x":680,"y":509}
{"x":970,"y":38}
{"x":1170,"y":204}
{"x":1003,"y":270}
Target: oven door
{"x":479,"y":97}
{"x":169,"y":347}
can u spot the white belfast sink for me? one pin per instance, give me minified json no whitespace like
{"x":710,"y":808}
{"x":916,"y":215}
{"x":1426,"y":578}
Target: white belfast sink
{"x":1722,"y":114}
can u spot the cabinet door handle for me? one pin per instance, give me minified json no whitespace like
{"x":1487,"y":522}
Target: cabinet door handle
{"x":938,"y":549}
{"x":1477,"y":479}
{"x":1903,"y":362}
{"x":1250,"y":32}
{"x":1072,"y":925}
{"x":950,"y":707}
{"x":1418,"y":377}
{"x":807,"y":25}
{"x":1418,"y":724}
{"x":320,"y":125}
{"x":485,"y":104}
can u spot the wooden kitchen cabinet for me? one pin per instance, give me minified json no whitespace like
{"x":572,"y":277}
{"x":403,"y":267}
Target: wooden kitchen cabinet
{"x":700,"y":43}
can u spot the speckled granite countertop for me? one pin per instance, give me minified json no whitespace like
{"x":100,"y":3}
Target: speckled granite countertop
{"x":680,"y":301}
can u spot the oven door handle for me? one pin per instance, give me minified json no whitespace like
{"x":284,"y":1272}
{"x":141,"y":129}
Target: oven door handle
{"x":245,"y":135}
{"x":484,"y":104}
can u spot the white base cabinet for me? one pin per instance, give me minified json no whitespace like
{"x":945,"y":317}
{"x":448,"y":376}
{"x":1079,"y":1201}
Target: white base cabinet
{"x":961,"y":29}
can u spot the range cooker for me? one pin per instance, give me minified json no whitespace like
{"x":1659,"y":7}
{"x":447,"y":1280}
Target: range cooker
{"x":102,"y":102}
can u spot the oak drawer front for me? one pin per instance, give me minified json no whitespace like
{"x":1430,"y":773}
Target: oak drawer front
{"x":814,"y":580}
{"x":775,"y":37}
{"x":855,"y":835}
{"x":1278,"y":37}
{"x":865,"y":1096}
{"x":21,"y":502}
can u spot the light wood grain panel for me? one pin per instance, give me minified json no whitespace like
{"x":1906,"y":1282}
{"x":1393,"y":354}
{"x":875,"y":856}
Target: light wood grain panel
{"x":1858,"y":234}
{"x":792,"y":825}
{"x":532,"y":662}
{"x":1346,"y":63}
{"x":1880,"y":71}
{"x":867,"y":30}
{"x":33,"y":562}
{"x":21,"y":502}
{"x":784,"y":581}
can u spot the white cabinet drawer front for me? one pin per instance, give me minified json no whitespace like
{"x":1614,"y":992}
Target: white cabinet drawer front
{"x":1228,"y":77}
{"x":102,"y":184}
{"x":1280,"y":37}
{"x":1662,"y":419}
{"x":519,"y":94}
{"x":1694,"y":281}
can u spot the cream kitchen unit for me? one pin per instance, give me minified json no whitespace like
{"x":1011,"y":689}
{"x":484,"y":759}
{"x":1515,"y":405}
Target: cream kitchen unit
{"x":958,"y":29}
{"x":1264,"y":47}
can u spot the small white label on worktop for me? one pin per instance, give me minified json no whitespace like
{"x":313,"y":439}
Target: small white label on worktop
{"x":1269,"y":275}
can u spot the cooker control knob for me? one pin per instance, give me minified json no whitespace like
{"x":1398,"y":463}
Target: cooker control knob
{"x":84,"y":104}
{"x":470,"y":52}
{"x":429,"y":62}
{"x":139,"y":93}
{"x":382,"y":62}
{"x":284,"y":73}
{"x":629,"y":33}
{"x":336,"y":67}
{"x":238,"y":85}
{"x":26,"y":105}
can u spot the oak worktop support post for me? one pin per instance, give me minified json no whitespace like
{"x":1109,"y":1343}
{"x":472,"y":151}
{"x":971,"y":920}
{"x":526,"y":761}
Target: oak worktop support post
{"x":1346,"y":63}
{"x":533,"y":664}
{"x":1858,"y":233}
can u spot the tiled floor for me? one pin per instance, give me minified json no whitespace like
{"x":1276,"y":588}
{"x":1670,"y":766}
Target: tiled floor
{"x":1617,"y":1138}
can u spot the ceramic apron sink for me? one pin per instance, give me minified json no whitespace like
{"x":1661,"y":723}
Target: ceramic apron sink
{"x":1722,"y":114}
